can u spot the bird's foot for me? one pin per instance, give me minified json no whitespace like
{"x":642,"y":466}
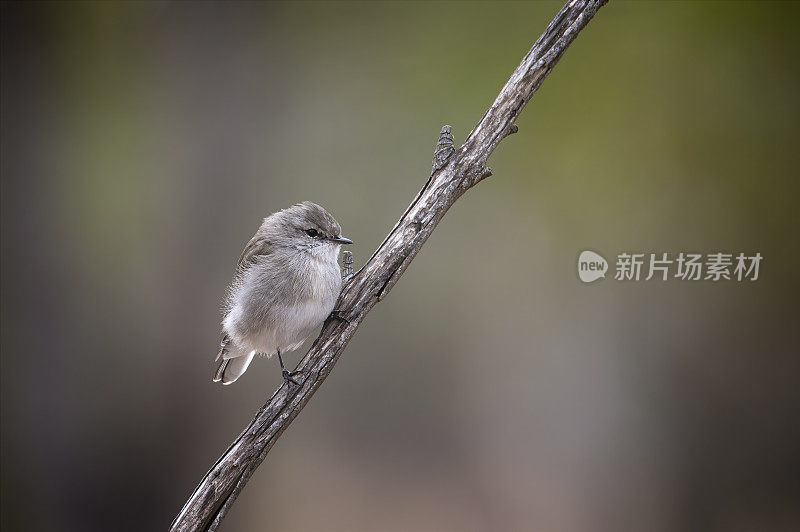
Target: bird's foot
{"x":337,"y":314}
{"x":288,"y":376}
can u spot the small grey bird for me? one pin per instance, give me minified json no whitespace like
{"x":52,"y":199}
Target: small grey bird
{"x":286,"y":283}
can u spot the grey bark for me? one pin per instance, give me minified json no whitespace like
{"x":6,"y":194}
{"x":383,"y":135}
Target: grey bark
{"x":454,"y":171}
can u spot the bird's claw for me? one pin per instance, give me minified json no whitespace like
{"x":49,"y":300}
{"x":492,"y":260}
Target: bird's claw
{"x":287,"y":376}
{"x":337,"y":314}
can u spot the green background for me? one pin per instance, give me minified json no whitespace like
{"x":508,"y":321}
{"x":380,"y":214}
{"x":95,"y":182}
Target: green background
{"x":142,"y":143}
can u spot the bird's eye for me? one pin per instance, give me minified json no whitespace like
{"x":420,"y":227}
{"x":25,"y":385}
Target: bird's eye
{"x":311,"y":232}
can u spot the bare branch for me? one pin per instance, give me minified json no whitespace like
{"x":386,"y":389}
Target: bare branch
{"x":453,"y":172}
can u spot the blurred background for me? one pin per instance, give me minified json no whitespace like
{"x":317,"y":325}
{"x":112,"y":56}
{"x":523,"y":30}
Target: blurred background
{"x":142,"y":144}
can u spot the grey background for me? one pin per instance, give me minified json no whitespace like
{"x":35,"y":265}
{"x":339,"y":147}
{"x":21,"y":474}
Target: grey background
{"x":143,"y":142}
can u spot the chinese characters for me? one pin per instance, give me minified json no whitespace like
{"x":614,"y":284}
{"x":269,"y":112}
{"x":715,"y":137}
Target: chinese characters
{"x":687,"y":266}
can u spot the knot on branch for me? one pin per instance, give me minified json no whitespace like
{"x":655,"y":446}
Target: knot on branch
{"x":476,"y":173}
{"x":513,"y":128}
{"x":445,"y":147}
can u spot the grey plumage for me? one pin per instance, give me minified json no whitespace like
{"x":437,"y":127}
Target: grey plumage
{"x":286,"y":283}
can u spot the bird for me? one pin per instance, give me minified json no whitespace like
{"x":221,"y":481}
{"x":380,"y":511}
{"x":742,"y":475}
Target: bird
{"x":285,"y":285}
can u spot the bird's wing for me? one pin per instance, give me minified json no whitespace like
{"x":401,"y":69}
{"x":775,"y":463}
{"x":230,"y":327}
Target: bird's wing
{"x":258,"y":245}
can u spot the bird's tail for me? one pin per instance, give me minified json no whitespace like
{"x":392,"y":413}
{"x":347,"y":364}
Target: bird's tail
{"x":230,"y":369}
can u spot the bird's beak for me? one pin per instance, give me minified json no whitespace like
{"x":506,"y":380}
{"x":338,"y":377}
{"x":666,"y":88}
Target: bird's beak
{"x":341,"y":240}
